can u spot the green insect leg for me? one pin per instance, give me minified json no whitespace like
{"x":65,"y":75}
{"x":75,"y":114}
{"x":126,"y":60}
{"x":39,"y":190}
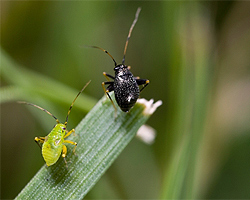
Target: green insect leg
{"x":69,"y":133}
{"x":64,"y":152}
{"x":39,"y":140}
{"x":71,"y":142}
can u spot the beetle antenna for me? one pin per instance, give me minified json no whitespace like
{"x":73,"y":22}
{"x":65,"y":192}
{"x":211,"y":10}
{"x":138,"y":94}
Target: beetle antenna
{"x":130,"y":31}
{"x":74,"y":101}
{"x":105,"y":52}
{"x":31,"y":104}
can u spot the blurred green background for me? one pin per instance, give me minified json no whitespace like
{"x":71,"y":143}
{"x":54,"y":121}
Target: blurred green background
{"x":196,"y":56}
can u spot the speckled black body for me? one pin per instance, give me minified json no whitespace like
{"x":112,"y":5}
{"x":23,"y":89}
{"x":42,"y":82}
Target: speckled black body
{"x":124,"y":84}
{"x":126,"y":88}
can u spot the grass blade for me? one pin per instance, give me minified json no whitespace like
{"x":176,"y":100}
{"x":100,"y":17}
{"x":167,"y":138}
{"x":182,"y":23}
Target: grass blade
{"x":27,"y":85}
{"x":100,"y":138}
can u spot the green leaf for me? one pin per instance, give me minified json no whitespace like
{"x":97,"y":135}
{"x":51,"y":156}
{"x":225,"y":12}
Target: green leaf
{"x":100,"y":138}
{"x":30,"y":86}
{"x":183,"y":178}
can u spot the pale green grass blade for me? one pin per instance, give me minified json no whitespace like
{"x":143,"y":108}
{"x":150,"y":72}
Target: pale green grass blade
{"x":182,"y":175}
{"x":100,"y":138}
{"x":9,"y":93}
{"x":31,"y":86}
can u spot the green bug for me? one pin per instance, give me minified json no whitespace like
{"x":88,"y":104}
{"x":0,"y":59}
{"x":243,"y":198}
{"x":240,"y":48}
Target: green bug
{"x":53,"y":144}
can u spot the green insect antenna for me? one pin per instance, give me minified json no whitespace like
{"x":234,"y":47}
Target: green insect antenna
{"x":31,"y":104}
{"x":105,"y":52}
{"x":130,"y":31}
{"x":74,"y":102}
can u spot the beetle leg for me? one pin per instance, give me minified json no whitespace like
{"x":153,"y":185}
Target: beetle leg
{"x":110,"y":88}
{"x":73,"y":143}
{"x":108,"y":76}
{"x":143,"y":82}
{"x":112,"y":104}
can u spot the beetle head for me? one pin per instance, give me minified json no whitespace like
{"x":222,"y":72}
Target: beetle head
{"x":121,"y":67}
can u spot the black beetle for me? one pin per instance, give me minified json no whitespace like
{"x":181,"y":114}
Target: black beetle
{"x":125,"y":85}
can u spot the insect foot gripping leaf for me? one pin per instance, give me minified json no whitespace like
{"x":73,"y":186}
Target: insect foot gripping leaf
{"x":124,"y":84}
{"x":53,"y":145}
{"x":101,"y":139}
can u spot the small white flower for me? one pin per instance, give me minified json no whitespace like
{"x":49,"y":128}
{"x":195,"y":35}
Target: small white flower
{"x":150,"y":106}
{"x":146,"y":134}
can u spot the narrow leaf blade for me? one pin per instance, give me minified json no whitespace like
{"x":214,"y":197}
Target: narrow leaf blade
{"x":100,"y":138}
